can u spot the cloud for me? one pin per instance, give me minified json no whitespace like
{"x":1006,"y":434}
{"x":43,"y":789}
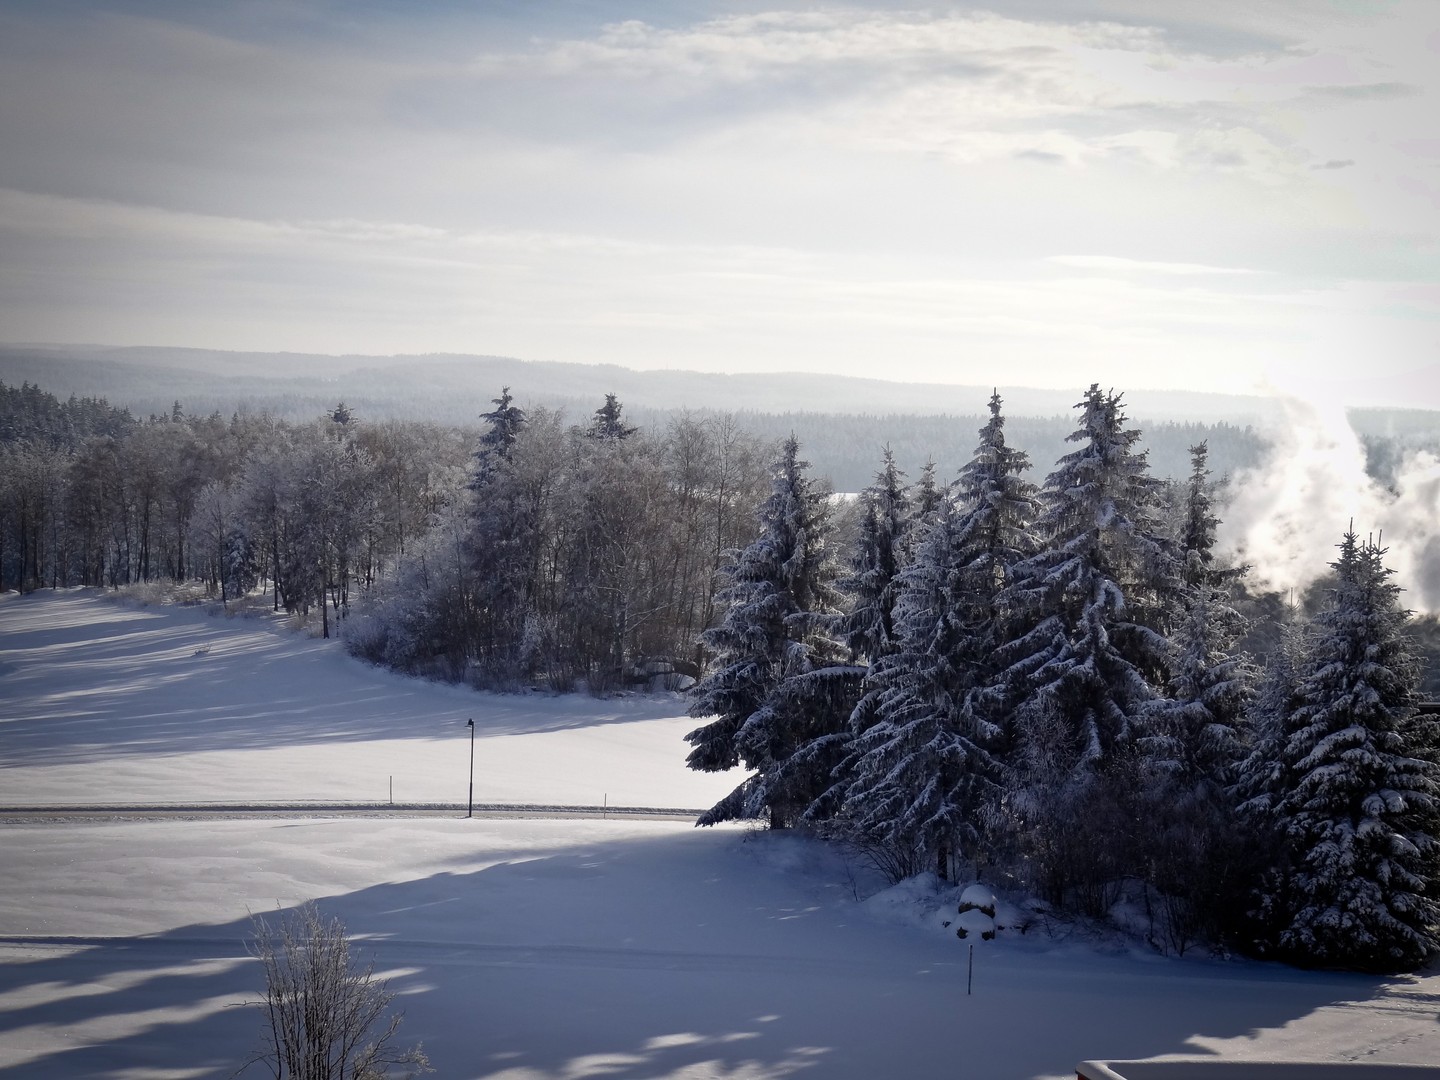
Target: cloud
{"x":1385,"y":91}
{"x":1044,"y":157}
{"x":769,"y":45}
{"x":1111,"y":263}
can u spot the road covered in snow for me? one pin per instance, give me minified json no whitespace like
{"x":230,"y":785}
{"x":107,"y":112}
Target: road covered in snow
{"x":526,"y":947}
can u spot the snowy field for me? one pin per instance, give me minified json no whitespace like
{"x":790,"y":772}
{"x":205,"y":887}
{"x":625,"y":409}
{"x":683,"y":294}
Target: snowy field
{"x":520,"y":949}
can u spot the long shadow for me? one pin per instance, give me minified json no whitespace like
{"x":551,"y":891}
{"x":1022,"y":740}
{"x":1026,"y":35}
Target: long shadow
{"x":562,"y":966}
{"x":83,"y":679}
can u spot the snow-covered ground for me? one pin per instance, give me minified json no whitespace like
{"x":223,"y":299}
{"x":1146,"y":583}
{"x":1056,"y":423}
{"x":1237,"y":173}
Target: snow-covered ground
{"x":521,"y":949}
{"x":102,"y":702}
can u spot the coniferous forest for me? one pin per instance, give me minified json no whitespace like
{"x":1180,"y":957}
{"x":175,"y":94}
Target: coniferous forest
{"x":1052,"y":681}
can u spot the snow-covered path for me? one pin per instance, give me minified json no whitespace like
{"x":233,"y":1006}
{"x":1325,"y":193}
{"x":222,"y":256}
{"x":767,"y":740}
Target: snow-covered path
{"x":521,"y":949}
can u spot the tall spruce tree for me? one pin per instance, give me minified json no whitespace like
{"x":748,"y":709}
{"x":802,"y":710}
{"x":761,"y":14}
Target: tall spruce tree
{"x":1195,"y":737}
{"x":505,"y":421}
{"x":881,"y":551}
{"x":779,"y":683}
{"x":1093,"y":599}
{"x":1359,"y":810}
{"x":921,"y":778}
{"x":496,"y":596}
{"x":1198,"y":854}
{"x":926,"y":502}
{"x":1262,"y":778}
{"x":1088,"y":654}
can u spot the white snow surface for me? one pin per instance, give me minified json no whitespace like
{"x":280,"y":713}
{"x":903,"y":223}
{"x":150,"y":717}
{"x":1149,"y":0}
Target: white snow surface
{"x":102,"y":702}
{"x":524,"y":949}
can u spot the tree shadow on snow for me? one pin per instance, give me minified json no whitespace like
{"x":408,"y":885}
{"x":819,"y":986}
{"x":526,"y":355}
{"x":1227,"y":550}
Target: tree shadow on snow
{"x":83,"y":680}
{"x":646,"y":958}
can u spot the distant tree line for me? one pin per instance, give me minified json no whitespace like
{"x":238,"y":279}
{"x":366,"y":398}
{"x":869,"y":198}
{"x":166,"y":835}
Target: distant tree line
{"x":845,"y":447}
{"x":90,"y":496}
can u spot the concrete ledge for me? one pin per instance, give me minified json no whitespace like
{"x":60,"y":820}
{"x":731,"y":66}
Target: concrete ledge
{"x":1216,"y":1069}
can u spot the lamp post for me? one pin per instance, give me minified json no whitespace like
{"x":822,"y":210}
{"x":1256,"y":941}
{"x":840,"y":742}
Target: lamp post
{"x":470,"y":803}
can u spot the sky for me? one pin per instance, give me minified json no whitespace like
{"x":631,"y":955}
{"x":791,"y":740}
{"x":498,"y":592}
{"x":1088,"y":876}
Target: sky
{"x":1217,"y":195}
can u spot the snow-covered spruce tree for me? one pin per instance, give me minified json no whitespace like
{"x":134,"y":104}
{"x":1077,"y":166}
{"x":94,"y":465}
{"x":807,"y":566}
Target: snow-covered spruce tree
{"x":1197,"y":540}
{"x":779,"y":682}
{"x":506,"y":421}
{"x":1262,"y":778}
{"x":457,"y":603}
{"x":1359,"y":810}
{"x":1261,"y":781}
{"x":607,"y":425}
{"x":1195,"y":739}
{"x":881,"y":550}
{"x":1088,"y":656}
{"x":921,"y":780}
{"x":513,"y":484}
{"x":882,"y":547}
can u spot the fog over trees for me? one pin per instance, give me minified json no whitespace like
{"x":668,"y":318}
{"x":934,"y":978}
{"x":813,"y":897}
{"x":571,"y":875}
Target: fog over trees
{"x":1054,"y":681}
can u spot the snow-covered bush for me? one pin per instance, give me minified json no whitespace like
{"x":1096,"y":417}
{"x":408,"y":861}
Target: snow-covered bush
{"x":325,"y":1017}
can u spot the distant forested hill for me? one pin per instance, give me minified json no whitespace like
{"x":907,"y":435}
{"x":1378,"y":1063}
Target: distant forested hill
{"x":454,"y":389}
{"x":842,"y":423}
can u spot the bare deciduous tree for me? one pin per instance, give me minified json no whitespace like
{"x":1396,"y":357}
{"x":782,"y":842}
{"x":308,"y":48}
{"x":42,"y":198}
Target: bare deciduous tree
{"x":326,"y":1017}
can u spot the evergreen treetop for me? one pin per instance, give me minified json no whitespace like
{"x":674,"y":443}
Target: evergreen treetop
{"x":607,"y":424}
{"x":1091,"y":604}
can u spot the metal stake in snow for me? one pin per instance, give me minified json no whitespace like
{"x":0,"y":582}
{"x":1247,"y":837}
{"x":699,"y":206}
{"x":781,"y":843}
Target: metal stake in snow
{"x":470,"y":802}
{"x":970,"y":975}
